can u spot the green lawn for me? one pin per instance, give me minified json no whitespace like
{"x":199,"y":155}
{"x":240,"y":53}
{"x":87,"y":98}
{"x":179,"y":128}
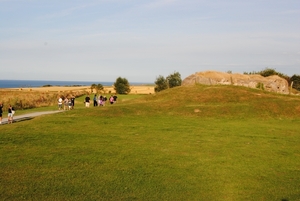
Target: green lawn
{"x":135,"y":150}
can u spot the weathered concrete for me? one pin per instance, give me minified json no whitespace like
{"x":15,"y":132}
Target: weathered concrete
{"x":272,"y":83}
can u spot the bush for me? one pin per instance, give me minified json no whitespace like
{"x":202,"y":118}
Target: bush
{"x":260,"y":86}
{"x":160,"y":84}
{"x":97,"y":87}
{"x":173,"y":80}
{"x":296,"y":82}
{"x":121,"y":86}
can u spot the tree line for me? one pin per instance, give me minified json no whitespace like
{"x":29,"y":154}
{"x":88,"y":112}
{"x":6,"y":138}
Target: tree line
{"x":121,"y":86}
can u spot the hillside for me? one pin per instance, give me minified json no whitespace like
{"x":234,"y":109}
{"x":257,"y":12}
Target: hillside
{"x":220,"y":101}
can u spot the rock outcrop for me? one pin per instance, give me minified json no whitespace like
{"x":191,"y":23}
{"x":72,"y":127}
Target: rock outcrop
{"x":272,"y":83}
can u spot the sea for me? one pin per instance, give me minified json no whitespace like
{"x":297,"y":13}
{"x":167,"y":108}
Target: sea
{"x":41,"y":83}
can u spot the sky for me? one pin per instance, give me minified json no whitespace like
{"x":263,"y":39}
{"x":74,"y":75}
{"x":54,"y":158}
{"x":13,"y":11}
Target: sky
{"x":101,"y":40}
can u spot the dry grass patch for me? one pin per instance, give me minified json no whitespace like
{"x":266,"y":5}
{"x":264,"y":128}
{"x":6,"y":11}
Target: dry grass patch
{"x":25,"y":98}
{"x":34,"y":99}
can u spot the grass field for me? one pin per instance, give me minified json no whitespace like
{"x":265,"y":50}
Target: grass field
{"x":186,"y":143}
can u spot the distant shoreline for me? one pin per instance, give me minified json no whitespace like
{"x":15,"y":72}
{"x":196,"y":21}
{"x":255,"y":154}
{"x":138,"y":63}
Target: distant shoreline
{"x":40,"y":83}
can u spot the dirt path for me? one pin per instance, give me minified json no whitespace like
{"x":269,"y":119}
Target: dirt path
{"x":29,"y":116}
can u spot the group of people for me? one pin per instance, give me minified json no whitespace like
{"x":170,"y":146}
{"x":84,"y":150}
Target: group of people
{"x":11,"y":112}
{"x":66,"y":103}
{"x":69,"y":103}
{"x":99,"y":100}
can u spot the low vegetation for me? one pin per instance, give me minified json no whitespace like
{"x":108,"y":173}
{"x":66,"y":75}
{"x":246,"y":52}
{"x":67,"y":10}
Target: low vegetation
{"x":121,"y":86}
{"x":171,"y":81}
{"x":21,"y":99}
{"x":185,"y":143}
{"x":294,"y":80}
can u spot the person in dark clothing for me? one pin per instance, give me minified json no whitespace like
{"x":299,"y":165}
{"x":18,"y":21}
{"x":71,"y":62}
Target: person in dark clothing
{"x":73,"y":101}
{"x":95,"y":100}
{"x":10,"y":114}
{"x":115,"y":98}
{"x":1,"y":111}
{"x":87,"y":101}
{"x":104,"y":100}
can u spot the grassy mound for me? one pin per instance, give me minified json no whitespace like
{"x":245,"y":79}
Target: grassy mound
{"x":217,"y":102}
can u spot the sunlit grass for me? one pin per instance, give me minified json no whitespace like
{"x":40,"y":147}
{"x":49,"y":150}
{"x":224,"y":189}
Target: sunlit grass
{"x":147,"y":149}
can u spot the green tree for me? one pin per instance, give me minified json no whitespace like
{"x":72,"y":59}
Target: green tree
{"x":93,"y":86}
{"x":99,"y":88}
{"x":296,"y":82}
{"x":174,"y":80}
{"x":160,"y":84}
{"x":122,"y":86}
{"x":268,"y":72}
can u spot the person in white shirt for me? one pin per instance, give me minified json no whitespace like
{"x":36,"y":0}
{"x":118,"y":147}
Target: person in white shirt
{"x":60,"y":101}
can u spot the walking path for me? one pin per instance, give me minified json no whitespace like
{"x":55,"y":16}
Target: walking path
{"x":29,"y":116}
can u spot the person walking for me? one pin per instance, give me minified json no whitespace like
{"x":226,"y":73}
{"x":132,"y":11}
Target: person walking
{"x":1,"y":111}
{"x":87,"y":101}
{"x":10,"y":114}
{"x":70,"y":104}
{"x":104,"y":100}
{"x":60,"y":101}
{"x":111,"y":99}
{"x":95,"y":100}
{"x":115,"y":98}
{"x":66,"y":103}
{"x":73,"y":101}
{"x":100,"y":101}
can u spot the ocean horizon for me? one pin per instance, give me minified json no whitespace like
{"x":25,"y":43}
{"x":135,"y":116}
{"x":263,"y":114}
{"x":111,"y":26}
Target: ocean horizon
{"x":41,"y":83}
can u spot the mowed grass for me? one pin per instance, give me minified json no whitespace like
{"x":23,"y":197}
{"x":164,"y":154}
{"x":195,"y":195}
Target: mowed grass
{"x":187,"y":143}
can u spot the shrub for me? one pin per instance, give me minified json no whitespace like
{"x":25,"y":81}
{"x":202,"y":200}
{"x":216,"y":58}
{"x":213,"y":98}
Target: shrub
{"x":161,"y":84}
{"x":296,"y":82}
{"x":121,"y":86}
{"x":260,"y":86}
{"x":173,"y":80}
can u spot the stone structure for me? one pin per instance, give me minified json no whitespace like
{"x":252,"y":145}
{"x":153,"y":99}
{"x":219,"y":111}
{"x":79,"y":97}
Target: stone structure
{"x":272,"y":83}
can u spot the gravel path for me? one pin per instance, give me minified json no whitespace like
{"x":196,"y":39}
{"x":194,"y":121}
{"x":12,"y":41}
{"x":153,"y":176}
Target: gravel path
{"x":18,"y":118}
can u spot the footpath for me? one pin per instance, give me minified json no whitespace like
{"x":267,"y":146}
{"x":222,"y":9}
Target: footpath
{"x":29,"y":116}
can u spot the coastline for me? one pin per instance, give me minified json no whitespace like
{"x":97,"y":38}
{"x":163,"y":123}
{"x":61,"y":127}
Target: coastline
{"x":44,"y":83}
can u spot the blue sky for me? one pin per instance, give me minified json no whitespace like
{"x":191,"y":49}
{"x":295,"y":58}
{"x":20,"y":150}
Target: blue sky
{"x":138,"y":39}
